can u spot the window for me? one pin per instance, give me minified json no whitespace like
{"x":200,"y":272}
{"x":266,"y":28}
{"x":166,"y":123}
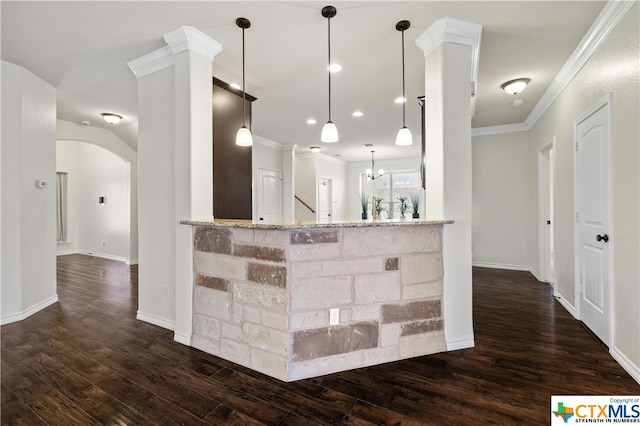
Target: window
{"x":390,"y":187}
{"x":61,"y":207}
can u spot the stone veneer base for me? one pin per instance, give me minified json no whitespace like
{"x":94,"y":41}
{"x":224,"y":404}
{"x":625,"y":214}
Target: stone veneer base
{"x":262,"y":295}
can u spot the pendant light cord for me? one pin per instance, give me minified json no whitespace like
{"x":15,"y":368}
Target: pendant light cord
{"x":329,"y":66}
{"x":243,"y":87}
{"x":404,"y":97}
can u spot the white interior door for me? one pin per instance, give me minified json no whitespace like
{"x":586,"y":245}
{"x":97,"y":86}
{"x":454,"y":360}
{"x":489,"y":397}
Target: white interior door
{"x":324,"y":200}
{"x":269,"y":196}
{"x":593,"y":237}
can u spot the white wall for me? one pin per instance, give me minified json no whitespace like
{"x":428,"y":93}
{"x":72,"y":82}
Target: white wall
{"x":613,"y":68}
{"x":496,"y":186}
{"x":502,"y":202}
{"x":305,"y":186}
{"x":336,"y":170}
{"x":28,"y":275}
{"x":265,"y":154}
{"x":93,"y":172}
{"x":106,"y":139}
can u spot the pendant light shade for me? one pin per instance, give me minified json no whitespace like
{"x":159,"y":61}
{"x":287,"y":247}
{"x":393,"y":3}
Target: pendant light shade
{"x":404,"y":135}
{"x":329,"y":131}
{"x":243,"y":137}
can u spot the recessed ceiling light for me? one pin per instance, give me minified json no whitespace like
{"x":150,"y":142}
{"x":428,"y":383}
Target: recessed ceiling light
{"x":400,"y":100}
{"x":513,"y":87}
{"x":236,"y":86}
{"x":111,"y":118}
{"x":357,"y":114}
{"x":311,"y":121}
{"x":334,"y":68}
{"x":517,"y":102}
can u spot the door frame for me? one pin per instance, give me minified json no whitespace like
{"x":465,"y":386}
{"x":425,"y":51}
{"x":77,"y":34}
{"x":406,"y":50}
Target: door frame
{"x":258,"y":192}
{"x":606,"y":101}
{"x":545,"y":180}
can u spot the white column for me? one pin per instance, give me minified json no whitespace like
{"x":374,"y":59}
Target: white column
{"x":450,"y":48}
{"x":175,"y":171}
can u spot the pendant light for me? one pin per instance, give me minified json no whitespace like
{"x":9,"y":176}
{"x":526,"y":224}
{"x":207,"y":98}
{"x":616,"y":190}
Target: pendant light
{"x":329,"y":131}
{"x":243,"y":137}
{"x":404,"y":135}
{"x":372,"y":173}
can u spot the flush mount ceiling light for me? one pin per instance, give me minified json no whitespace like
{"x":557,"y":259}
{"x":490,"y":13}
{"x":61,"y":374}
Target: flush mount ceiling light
{"x":111,"y":118}
{"x":243,"y":137}
{"x":315,"y":149}
{"x":513,"y":87}
{"x":329,"y":131}
{"x":404,"y":137}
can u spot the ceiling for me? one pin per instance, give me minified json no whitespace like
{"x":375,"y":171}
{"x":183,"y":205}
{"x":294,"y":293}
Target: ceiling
{"x":82,"y":48}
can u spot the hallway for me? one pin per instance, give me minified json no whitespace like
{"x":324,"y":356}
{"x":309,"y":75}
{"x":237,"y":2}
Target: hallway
{"x":87,"y":360}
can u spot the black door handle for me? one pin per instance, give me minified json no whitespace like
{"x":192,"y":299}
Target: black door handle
{"x":604,"y":238}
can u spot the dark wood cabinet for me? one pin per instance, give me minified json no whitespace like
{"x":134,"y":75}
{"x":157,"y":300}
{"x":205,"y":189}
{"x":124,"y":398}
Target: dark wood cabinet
{"x":232,"y":172}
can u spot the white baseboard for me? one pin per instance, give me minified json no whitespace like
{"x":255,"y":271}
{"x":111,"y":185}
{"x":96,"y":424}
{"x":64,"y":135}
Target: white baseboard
{"x":630,"y":367}
{"x":160,"y":322}
{"x":103,"y":255}
{"x":460,"y":343}
{"x":30,"y":311}
{"x":132,"y":262}
{"x":67,"y":252}
{"x":181,"y":338}
{"x":570,"y":308}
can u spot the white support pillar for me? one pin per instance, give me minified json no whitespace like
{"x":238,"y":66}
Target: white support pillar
{"x":175,"y":171}
{"x":450,"y":47}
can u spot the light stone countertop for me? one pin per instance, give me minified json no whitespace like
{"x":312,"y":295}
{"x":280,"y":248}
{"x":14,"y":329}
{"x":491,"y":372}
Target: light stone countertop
{"x":238,"y":223}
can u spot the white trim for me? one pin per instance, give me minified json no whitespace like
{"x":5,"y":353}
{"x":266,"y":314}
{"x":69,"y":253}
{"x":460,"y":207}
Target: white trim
{"x":29,"y":311}
{"x":181,"y":338}
{"x":500,"y":129}
{"x":604,"y":24}
{"x":545,"y":274}
{"x":152,"y":62}
{"x":508,"y":267}
{"x":456,"y":31}
{"x":132,"y":262}
{"x":630,"y":367}
{"x":565,"y":304}
{"x":66,"y":253}
{"x":189,"y":38}
{"x":103,"y":255}
{"x":160,"y":322}
{"x":460,"y":343}
{"x":261,"y":140}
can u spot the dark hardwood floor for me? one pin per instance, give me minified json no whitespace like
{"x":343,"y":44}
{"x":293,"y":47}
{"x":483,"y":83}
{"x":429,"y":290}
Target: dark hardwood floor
{"x":87,"y":360}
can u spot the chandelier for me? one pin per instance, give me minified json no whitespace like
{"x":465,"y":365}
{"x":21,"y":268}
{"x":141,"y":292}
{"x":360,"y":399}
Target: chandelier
{"x":371,"y":173}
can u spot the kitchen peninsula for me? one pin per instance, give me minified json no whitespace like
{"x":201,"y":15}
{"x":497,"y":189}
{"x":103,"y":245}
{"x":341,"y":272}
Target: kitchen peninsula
{"x":301,"y":300}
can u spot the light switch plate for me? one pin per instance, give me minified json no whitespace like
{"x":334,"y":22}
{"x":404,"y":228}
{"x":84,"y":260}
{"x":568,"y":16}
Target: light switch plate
{"x":334,"y":316}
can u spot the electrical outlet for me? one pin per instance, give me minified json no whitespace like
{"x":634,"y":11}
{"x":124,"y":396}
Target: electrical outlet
{"x":334,"y":316}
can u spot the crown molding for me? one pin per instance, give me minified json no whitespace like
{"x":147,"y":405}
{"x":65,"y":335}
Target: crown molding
{"x":181,"y":39}
{"x":152,"y":62}
{"x":456,"y":31}
{"x":605,"y":23}
{"x":261,"y":140}
{"x":500,"y":129}
{"x":189,"y":38}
